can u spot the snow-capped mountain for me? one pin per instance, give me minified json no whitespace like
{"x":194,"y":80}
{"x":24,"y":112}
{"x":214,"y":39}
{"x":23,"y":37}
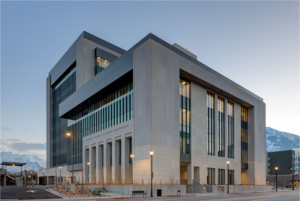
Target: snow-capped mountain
{"x":277,"y":140}
{"x":33,"y":162}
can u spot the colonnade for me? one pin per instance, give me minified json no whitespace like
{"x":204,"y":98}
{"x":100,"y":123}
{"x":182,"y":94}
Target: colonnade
{"x":108,"y":160}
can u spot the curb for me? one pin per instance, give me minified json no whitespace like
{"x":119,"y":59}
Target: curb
{"x":57,"y":193}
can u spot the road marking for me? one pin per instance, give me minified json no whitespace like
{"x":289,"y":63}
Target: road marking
{"x":31,"y":191}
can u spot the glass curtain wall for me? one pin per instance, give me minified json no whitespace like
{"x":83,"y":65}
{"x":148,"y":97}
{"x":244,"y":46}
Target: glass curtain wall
{"x":185,"y":116}
{"x":221,"y":119}
{"x":101,"y":64}
{"x":210,"y":124}
{"x":60,"y":91}
{"x":230,"y":130}
{"x":244,"y":135}
{"x":112,"y":110}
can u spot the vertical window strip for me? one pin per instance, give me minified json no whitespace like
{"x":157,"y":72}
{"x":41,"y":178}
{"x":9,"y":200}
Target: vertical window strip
{"x":221,"y":116}
{"x":184,"y":116}
{"x":244,"y":134}
{"x":210,"y":124}
{"x":230,"y":130}
{"x":59,"y":143}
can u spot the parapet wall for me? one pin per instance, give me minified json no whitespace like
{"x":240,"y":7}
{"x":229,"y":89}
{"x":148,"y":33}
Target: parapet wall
{"x":127,"y":189}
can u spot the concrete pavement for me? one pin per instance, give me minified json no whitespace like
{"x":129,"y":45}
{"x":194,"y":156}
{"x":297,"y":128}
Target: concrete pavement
{"x":269,"y":196}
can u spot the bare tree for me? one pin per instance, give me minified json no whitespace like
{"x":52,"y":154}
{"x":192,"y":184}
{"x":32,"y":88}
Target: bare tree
{"x":122,"y":178}
{"x":104,"y":186}
{"x":172,"y":181}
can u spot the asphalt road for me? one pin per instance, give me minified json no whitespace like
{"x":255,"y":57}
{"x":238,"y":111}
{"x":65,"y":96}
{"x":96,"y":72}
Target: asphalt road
{"x":41,"y":194}
{"x":23,"y":193}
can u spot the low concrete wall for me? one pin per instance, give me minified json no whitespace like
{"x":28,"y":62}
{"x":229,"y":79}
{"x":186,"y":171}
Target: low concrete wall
{"x":127,"y":189}
{"x":241,"y":188}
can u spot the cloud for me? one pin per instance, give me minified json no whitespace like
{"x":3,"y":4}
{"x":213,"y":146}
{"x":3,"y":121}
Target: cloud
{"x":24,"y":146}
{"x":5,"y":128}
{"x":14,"y":140}
{"x":17,"y":146}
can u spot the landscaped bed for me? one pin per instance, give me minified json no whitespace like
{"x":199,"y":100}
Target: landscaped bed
{"x":80,"y":192}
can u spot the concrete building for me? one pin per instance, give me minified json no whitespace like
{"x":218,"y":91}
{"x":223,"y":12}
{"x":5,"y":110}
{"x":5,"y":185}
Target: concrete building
{"x":154,"y":96}
{"x":283,"y":160}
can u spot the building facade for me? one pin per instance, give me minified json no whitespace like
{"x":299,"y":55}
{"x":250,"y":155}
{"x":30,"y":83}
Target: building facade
{"x":155,"y":96}
{"x":285,"y":161}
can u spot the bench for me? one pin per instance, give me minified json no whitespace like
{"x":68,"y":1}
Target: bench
{"x":138,"y":192}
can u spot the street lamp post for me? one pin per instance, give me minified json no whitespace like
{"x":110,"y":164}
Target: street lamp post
{"x":70,"y":135}
{"x":60,"y":175}
{"x":131,"y":156}
{"x":43,"y":177}
{"x":228,"y":162}
{"x":276,"y":168}
{"x":151,"y":154}
{"x":88,"y":163}
{"x":293,"y":178}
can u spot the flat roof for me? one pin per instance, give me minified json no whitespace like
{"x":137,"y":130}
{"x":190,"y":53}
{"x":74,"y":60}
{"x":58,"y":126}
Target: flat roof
{"x":13,"y":163}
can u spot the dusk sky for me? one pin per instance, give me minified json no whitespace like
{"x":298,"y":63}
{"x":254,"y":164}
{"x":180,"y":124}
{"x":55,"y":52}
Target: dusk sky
{"x":255,"y":44}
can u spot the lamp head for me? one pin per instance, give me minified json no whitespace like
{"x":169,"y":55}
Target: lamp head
{"x":151,"y":153}
{"x":13,"y":164}
{"x":68,"y":134}
{"x":228,"y":162}
{"x":88,"y":163}
{"x":59,"y":167}
{"x":43,"y":170}
{"x":131,"y":156}
{"x":276,"y":168}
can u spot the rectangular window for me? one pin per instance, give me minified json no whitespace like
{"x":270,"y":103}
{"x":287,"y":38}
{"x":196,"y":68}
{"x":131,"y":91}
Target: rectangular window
{"x":210,"y":124}
{"x":230,"y":117}
{"x":221,"y":121}
{"x":210,"y":176}
{"x":184,"y":116}
{"x":221,"y":176}
{"x":231,"y":177}
{"x":101,"y":64}
{"x":244,"y":134}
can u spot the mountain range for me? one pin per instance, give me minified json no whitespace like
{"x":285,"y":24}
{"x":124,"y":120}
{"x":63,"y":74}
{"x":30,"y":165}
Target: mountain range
{"x":275,"y":141}
{"x":33,"y":162}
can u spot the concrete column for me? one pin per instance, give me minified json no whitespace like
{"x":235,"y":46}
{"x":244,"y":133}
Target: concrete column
{"x":117,"y":164}
{"x":97,"y":163}
{"x":90,"y":166}
{"x":123,"y":158}
{"x":105,"y":179}
{"x":189,"y":173}
{"x":216,"y":119}
{"x":93,"y":164}
{"x":108,"y":164}
{"x":113,"y":156}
